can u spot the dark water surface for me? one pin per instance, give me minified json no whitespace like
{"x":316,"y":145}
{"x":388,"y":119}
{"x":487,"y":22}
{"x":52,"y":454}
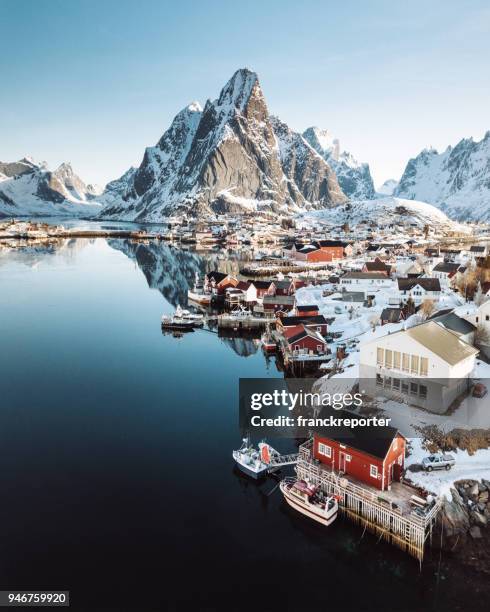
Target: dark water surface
{"x":116,"y":475}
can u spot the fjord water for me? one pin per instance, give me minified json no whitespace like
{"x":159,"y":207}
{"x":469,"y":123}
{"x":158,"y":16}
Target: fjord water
{"x":115,"y":441}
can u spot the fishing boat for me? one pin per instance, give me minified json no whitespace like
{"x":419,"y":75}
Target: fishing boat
{"x":187,"y":315}
{"x":255,"y":462}
{"x":197,"y":293}
{"x":310,"y":500}
{"x":169,"y":322}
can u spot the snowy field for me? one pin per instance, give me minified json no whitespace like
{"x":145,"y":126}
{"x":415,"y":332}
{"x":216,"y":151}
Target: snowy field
{"x":439,"y":482}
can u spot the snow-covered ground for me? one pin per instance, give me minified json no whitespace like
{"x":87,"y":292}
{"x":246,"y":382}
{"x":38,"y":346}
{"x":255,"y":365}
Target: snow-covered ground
{"x":386,"y":211}
{"x":439,"y":482}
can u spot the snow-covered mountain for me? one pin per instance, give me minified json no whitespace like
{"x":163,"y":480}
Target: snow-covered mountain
{"x":456,"y":181}
{"x":225,"y":157}
{"x":387,"y":188}
{"x":388,"y":211}
{"x":354,"y":177}
{"x":28,"y":188}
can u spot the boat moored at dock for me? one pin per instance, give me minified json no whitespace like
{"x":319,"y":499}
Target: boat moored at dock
{"x":310,"y":500}
{"x":258,"y":462}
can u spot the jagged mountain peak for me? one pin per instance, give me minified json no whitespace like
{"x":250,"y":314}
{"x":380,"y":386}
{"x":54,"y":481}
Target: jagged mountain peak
{"x":223,"y":158}
{"x":238,"y":90}
{"x":456,"y":180}
{"x":28,"y":188}
{"x":323,"y":141}
{"x":354,"y":177}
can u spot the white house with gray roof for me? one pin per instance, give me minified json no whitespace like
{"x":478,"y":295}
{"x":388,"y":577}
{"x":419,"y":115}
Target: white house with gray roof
{"x":426,"y":365}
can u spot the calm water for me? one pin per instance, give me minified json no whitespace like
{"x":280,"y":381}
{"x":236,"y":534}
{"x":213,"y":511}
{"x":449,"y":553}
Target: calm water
{"x":116,"y":476}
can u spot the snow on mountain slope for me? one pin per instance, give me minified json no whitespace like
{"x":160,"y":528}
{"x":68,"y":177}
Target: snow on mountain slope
{"x":456,"y":181}
{"x":389,"y":211}
{"x":354,"y":177}
{"x":28,"y":188}
{"x":387,"y":188}
{"x":224,"y":157}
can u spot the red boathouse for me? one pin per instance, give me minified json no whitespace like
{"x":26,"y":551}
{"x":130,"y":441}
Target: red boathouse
{"x":372,"y":455}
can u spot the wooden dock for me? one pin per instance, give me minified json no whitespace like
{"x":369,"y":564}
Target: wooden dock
{"x":228,"y":321}
{"x":386,"y":514}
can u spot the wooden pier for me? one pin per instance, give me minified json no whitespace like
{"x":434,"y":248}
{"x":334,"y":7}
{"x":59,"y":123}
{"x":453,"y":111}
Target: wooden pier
{"x":388,"y":514}
{"x":250,"y":322}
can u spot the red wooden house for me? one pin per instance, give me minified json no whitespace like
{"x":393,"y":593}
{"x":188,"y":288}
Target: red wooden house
{"x":302,"y":340}
{"x":217,"y":282}
{"x":314,"y":323}
{"x":372,"y":455}
{"x":307,"y":310}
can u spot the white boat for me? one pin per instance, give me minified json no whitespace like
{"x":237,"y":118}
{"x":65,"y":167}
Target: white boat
{"x":255,"y":462}
{"x":310,"y":500}
{"x":177,"y":323}
{"x":197,"y":294}
{"x":187,"y":315}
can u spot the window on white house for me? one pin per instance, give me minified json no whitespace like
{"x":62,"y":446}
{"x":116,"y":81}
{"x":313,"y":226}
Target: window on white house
{"x":396,"y":360}
{"x":415,"y":365}
{"x":388,"y":358}
{"x":324,"y":450}
{"x":406,"y":362}
{"x":424,"y":366}
{"x":373,"y":471}
{"x":380,"y":356}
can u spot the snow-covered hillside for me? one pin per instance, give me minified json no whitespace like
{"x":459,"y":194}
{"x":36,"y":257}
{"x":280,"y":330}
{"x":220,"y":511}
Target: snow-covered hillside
{"x":456,"y":181}
{"x":354,"y":177}
{"x":223,"y":158}
{"x":28,"y":188}
{"x":387,"y":188}
{"x":389,"y":211}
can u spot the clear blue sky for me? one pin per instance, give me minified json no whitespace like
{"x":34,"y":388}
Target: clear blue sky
{"x":94,"y":82}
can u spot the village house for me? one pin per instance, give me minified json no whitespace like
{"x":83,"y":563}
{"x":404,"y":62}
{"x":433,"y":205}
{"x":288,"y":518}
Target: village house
{"x":426,"y":365}
{"x":445,"y":271}
{"x":302,"y":340}
{"x":306,"y":310}
{"x":365,"y":280}
{"x":407,"y":267}
{"x":336,"y":248}
{"x":282,"y":287}
{"x":377,"y":266}
{"x":217,"y":282}
{"x":315,"y":323}
{"x":478,"y":251}
{"x":461,"y":327}
{"x":275,"y":303}
{"x":351,"y":300}
{"x":481,"y":320}
{"x":418,"y":289}
{"x":391,"y":315}
{"x":372,"y":455}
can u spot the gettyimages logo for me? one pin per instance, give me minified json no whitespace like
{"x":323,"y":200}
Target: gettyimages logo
{"x":293,"y":407}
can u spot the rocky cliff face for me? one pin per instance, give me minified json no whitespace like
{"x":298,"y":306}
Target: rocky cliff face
{"x":456,"y":181}
{"x":354,"y":177}
{"x":28,"y":188}
{"x":225,"y":157}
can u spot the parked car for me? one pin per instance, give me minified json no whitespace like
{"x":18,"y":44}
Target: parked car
{"x":438,"y":462}
{"x":479,"y":390}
